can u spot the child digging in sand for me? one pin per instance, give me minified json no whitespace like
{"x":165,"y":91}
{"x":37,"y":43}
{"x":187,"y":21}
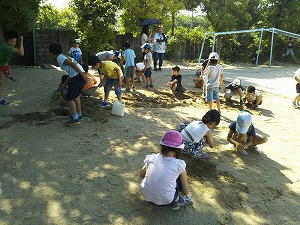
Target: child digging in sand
{"x":164,"y":174}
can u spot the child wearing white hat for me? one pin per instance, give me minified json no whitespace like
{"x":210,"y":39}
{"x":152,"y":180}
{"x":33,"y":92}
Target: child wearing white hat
{"x":243,"y":136}
{"x":233,"y":88}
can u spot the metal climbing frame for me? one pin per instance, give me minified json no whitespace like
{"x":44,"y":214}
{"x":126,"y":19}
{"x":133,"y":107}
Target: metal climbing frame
{"x":261,"y":30}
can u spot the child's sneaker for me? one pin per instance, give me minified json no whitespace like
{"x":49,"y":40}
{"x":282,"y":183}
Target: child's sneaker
{"x":80,"y":118}
{"x":133,"y":88}
{"x":127,"y":89}
{"x":255,"y":149}
{"x":294,"y":104}
{"x":146,"y":86}
{"x":4,"y":102}
{"x":200,"y":155}
{"x":243,"y":152}
{"x":104,"y":104}
{"x":183,"y":201}
{"x":151,"y":85}
{"x":72,"y":122}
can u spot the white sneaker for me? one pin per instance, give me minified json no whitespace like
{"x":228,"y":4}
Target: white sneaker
{"x":255,"y":149}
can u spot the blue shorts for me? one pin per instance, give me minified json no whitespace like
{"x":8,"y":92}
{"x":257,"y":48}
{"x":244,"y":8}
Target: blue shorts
{"x":148,"y":72}
{"x":109,"y":83}
{"x":212,"y":94}
{"x":75,"y":86}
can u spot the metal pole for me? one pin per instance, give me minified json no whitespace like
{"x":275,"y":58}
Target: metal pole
{"x":213,"y":46}
{"x":202,"y":47}
{"x":271,"y":50}
{"x":258,"y":50}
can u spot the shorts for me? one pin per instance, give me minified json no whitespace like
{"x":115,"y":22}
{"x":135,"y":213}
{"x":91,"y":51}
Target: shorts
{"x":229,"y":93}
{"x":75,"y":86}
{"x":298,"y":88}
{"x":6,"y":71}
{"x":129,"y":71}
{"x":109,"y":83}
{"x":212,"y":94}
{"x":148,"y":72}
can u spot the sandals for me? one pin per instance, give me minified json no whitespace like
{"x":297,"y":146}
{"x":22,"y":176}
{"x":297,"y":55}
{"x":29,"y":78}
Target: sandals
{"x":13,"y":78}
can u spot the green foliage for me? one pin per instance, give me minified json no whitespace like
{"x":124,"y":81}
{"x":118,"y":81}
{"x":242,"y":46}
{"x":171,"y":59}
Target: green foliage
{"x":134,"y":11}
{"x":50,"y":18}
{"x":186,"y":20}
{"x":96,"y":23}
{"x":18,"y":15}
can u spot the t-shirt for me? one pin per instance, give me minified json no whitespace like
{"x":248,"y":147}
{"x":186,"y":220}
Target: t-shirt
{"x":158,"y":185}
{"x":212,"y":74}
{"x":178,"y":78}
{"x":69,"y":69}
{"x":129,"y":56}
{"x":234,"y":87}
{"x":251,"y":131}
{"x":253,"y":97}
{"x":75,"y":53}
{"x":148,"y":57}
{"x":6,"y":52}
{"x":105,"y":55}
{"x":160,"y":45}
{"x":108,"y":67}
{"x":196,"y":129}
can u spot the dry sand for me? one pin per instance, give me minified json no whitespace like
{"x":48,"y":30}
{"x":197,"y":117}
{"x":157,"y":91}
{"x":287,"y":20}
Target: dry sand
{"x":88,"y":174}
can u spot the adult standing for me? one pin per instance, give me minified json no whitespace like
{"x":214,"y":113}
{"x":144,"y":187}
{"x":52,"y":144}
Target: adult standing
{"x":159,"y":42}
{"x":145,"y":38}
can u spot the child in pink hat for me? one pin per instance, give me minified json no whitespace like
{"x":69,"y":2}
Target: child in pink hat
{"x":165,"y":178}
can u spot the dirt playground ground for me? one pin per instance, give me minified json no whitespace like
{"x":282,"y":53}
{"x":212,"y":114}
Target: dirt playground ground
{"x":88,"y":174}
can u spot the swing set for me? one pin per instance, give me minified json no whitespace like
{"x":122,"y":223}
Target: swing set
{"x":261,"y":30}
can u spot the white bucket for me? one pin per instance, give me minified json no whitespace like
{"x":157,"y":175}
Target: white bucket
{"x":118,"y":108}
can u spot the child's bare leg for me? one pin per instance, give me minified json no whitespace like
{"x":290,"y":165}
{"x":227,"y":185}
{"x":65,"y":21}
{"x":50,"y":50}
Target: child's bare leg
{"x":297,"y":99}
{"x":128,"y":82}
{"x":119,"y":98}
{"x":210,"y":104}
{"x":78,"y":104}
{"x":218,"y":105}
{"x":72,"y":107}
{"x":257,"y":140}
{"x":132,"y":81}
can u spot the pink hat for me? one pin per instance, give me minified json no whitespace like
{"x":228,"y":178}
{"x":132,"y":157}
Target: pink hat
{"x":172,"y":138}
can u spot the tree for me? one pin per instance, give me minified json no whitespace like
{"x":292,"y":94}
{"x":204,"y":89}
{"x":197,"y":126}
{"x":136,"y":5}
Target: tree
{"x":18,"y":15}
{"x":50,"y":18}
{"x":96,"y":23}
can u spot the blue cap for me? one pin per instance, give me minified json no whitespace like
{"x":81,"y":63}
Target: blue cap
{"x":147,"y":45}
{"x":117,"y":53}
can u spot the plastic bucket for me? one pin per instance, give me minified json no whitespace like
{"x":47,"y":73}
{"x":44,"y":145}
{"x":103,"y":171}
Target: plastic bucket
{"x":118,"y":108}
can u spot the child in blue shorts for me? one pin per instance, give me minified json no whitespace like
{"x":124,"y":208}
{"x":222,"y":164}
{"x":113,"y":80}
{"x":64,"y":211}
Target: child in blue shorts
{"x":112,"y":77}
{"x":75,"y":81}
{"x":213,"y":74}
{"x":148,"y":65}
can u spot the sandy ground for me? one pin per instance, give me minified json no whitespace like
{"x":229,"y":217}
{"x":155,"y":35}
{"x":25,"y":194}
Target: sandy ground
{"x":88,"y":174}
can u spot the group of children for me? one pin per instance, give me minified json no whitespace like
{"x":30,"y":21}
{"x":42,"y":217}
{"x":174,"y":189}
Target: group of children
{"x":164,"y":174}
{"x":210,"y":79}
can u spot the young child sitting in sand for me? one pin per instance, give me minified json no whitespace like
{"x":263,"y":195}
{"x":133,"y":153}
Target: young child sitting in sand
{"x":175,"y":82}
{"x":253,"y":98}
{"x":242,"y":134}
{"x":197,"y":133}
{"x":165,"y":177}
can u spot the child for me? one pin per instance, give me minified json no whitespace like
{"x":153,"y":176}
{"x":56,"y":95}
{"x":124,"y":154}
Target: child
{"x":213,"y":75}
{"x":232,"y":88}
{"x":112,"y":76}
{"x":76,"y":81}
{"x":242,"y":134}
{"x":128,"y":56}
{"x":148,"y":66}
{"x":75,"y":51}
{"x":198,"y":80}
{"x":175,"y":82}
{"x":296,"y":102}
{"x":140,"y":76}
{"x":197,"y":133}
{"x":253,"y":98}
{"x":92,"y":80}
{"x":165,"y":175}
{"x":60,"y":94}
{"x":7,"y":48}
